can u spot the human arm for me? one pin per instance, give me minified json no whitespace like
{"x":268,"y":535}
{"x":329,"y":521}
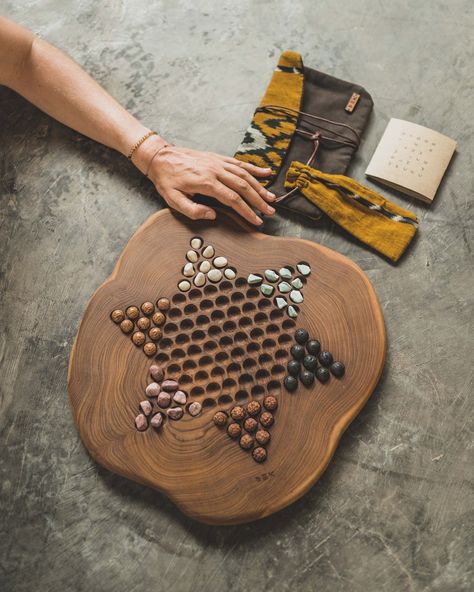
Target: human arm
{"x":53,"y":82}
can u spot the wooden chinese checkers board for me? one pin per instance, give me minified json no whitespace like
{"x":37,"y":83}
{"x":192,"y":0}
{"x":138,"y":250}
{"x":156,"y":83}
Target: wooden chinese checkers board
{"x":224,"y":430}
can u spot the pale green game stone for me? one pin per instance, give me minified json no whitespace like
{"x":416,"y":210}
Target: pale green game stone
{"x":296,"y":296}
{"x":297,"y":283}
{"x":280,"y":302}
{"x":292,"y":312}
{"x":284,"y":287}
{"x":271,"y":275}
{"x":285,"y":273}
{"x":254,"y":279}
{"x":303,"y":268}
{"x":266,"y":289}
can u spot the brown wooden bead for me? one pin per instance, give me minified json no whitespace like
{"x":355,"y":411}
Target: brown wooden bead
{"x":246,"y":442}
{"x":253,"y":408}
{"x":158,"y":318}
{"x":234,"y":430}
{"x":155,"y":333}
{"x":266,"y":419}
{"x":148,"y":308}
{"x":126,"y":326}
{"x":163,"y":304}
{"x":143,"y":323}
{"x":138,"y":338}
{"x":237,"y":412}
{"x":150,"y":348}
{"x":259,"y":454}
{"x":262,"y":437}
{"x":117,"y":315}
{"x":132,"y":312}
{"x":220,"y":418}
{"x":250,"y":424}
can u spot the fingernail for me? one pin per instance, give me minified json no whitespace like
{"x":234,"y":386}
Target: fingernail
{"x":209,"y":215}
{"x":258,"y":221}
{"x":270,"y":210}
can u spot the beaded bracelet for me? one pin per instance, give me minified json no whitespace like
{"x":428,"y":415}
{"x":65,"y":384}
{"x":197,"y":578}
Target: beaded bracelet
{"x":139,"y":143}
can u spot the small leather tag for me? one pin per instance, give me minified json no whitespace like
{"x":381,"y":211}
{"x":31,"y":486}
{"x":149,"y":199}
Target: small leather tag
{"x":352,"y":102}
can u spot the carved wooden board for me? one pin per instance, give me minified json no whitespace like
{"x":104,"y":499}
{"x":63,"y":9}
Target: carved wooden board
{"x":226,"y":344}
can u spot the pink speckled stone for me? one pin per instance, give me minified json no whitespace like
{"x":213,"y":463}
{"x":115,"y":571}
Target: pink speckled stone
{"x":164,"y":399}
{"x":156,"y":373}
{"x":153,"y":389}
{"x":194,"y":409}
{"x":146,"y":407}
{"x":169,"y":386}
{"x":179,"y":397}
{"x":156,"y":421}
{"x":175,"y":413}
{"x":141,"y":422}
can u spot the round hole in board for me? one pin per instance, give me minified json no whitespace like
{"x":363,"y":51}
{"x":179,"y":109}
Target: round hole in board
{"x":241,"y":395}
{"x":245,"y":322}
{"x":208,"y":403}
{"x":194,"y":349}
{"x":197,"y":391}
{"x":181,"y":339}
{"x":210,"y":290}
{"x":194,"y":294}
{"x":178,"y":354}
{"x":225,"y":341}
{"x":178,"y":299}
{"x":257,"y":390}
{"x":224,"y":399}
{"x":170,"y":327}
{"x":174,"y":313}
{"x":186,"y":325}
{"x":202,"y":320}
{"x":189,"y":365}
{"x":237,"y":297}
{"x":190,"y":309}
{"x":222,"y":301}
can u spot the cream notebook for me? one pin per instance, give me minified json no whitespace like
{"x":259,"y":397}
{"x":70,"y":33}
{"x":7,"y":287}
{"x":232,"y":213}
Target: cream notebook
{"x":411,"y":158}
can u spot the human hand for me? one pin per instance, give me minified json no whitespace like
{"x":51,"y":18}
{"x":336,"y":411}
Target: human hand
{"x":179,"y":173}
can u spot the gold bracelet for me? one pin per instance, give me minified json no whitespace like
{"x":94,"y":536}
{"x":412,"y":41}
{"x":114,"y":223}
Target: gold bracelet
{"x":139,"y":143}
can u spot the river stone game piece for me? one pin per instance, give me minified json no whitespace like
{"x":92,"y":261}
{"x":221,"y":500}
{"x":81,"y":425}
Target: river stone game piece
{"x":163,"y":413}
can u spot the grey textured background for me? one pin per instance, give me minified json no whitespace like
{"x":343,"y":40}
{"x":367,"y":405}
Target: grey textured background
{"x":394,"y":511}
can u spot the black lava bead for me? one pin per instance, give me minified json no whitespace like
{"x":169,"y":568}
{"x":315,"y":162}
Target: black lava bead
{"x":310,"y":363}
{"x":325,"y":358}
{"x":322,"y":374}
{"x":297,"y":351}
{"x":338,"y":369}
{"x":293,"y":367}
{"x":290,"y":383}
{"x":301,"y":336}
{"x":307,"y":377}
{"x":313,"y":346}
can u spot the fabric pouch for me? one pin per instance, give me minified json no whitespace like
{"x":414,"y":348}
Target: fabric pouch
{"x":304,"y":113}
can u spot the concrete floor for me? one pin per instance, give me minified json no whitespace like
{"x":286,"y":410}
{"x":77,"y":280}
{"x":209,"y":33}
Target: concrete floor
{"x":395,"y":509}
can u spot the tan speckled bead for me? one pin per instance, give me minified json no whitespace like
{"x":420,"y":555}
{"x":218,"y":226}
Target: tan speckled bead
{"x":234,"y":430}
{"x":163,"y":304}
{"x":220,"y":418}
{"x":143,"y":323}
{"x":148,"y":308}
{"x":138,"y":338}
{"x":270,"y":402}
{"x":132,"y":312}
{"x":237,"y":412}
{"x":250,"y":424}
{"x":117,"y":315}
{"x":158,"y":318}
{"x":126,"y":326}
{"x":150,"y":348}
{"x":262,"y":437}
{"x":266,"y":419}
{"x":259,"y":454}
{"x":246,"y":442}
{"x":155,"y":333}
{"x":253,"y":408}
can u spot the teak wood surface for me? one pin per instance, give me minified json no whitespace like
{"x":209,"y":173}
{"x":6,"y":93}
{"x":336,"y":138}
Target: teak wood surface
{"x":192,"y":461}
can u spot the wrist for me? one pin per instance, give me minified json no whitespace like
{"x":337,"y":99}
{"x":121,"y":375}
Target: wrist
{"x":144,"y":153}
